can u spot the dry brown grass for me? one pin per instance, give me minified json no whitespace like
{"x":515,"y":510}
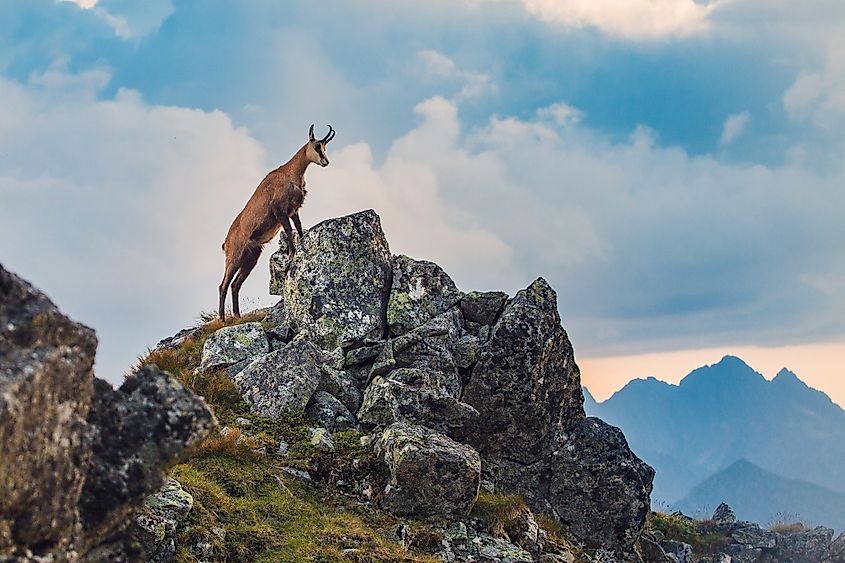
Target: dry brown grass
{"x":788,"y":528}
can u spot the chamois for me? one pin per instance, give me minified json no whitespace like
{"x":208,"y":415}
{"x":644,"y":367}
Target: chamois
{"x":276,"y":200}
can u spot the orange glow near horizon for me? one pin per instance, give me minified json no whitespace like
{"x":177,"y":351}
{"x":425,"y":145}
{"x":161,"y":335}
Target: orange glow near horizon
{"x":818,"y":365}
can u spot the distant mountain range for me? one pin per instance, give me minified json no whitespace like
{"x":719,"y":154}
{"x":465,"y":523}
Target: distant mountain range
{"x":721,"y":414}
{"x":761,"y":496}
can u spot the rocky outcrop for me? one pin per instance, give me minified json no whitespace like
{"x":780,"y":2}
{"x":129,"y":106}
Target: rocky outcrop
{"x":234,"y":345}
{"x":493,"y":375}
{"x":336,"y":287}
{"x":525,"y":385}
{"x":78,"y":456}
{"x":420,"y":291}
{"x":282,"y":381}
{"x":430,"y":474}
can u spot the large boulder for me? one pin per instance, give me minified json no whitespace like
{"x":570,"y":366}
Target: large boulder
{"x":281,"y":382}
{"x":430,"y":474}
{"x":336,"y":287}
{"x":46,"y":382}
{"x":78,"y":457}
{"x":417,"y":396}
{"x":525,"y":385}
{"x":234,"y":344}
{"x":420,"y":291}
{"x":483,"y":307}
{"x":599,"y":489}
{"x":143,"y":427}
{"x":807,"y":546}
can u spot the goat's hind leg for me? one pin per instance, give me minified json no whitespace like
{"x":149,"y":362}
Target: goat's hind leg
{"x":231,"y":268}
{"x":248,"y":262}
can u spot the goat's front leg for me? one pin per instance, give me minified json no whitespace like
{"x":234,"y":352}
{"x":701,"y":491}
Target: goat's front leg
{"x":298,"y":224}
{"x":285,"y":221}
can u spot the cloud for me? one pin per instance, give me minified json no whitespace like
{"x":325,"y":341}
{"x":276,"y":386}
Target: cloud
{"x":117,"y":208}
{"x":84,"y":4}
{"x":734,"y":126}
{"x":126,"y":18}
{"x":819,"y":95}
{"x":561,"y":113}
{"x":629,"y":20}
{"x":436,"y":67}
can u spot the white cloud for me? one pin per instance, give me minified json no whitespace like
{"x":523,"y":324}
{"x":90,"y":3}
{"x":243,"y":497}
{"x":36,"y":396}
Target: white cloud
{"x":84,"y":4}
{"x":734,"y":126}
{"x":627,"y":19}
{"x":819,"y":95}
{"x":437,"y":67}
{"x":561,"y":113}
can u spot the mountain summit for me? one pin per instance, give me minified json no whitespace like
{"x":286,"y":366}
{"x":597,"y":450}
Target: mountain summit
{"x":726,"y":412}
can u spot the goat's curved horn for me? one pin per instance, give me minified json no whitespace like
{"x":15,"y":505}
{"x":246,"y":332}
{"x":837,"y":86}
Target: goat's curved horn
{"x":330,"y":135}
{"x":311,"y":133}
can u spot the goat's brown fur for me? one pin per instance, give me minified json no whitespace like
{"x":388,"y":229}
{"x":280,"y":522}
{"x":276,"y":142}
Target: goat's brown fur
{"x":276,"y":201}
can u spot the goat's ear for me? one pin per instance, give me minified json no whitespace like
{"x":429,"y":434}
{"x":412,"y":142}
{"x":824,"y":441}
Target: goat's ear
{"x":311,"y":133}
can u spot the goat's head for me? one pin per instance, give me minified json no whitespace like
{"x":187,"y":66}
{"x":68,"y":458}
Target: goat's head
{"x":316,"y":148}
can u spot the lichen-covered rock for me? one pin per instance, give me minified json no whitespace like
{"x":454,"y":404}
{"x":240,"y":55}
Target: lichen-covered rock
{"x":283,"y":381}
{"x":337,"y":285}
{"x":430,"y":346}
{"x":525,"y":385}
{"x":329,"y":412}
{"x":321,"y":438}
{"x":277,"y":319}
{"x":483,"y":307}
{"x":430,"y":474}
{"x":753,"y":536}
{"x":342,"y":385}
{"x":680,"y":552}
{"x":420,"y":291}
{"x":808,"y":546}
{"x":599,"y":488}
{"x":233,"y":344}
{"x":158,"y":518}
{"x":46,"y":382}
{"x":363,"y":354}
{"x":417,"y":396}
{"x":467,"y":350}
{"x":144,"y":426}
{"x":724,"y":514}
{"x":836,"y":552}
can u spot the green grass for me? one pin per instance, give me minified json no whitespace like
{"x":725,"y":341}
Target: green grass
{"x":238,"y":484}
{"x":701,"y":538}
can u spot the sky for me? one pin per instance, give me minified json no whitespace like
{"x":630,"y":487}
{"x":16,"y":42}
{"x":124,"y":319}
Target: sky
{"x":673,"y":168}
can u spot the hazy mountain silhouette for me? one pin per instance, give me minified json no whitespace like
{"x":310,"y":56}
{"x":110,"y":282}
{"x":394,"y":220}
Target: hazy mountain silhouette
{"x":723,"y":413}
{"x":763,"y":497}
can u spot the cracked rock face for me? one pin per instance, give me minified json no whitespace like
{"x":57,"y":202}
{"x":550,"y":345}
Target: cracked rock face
{"x":525,"y":384}
{"x":233,"y":344}
{"x":429,"y":473}
{"x":337,"y":285}
{"x":77,"y":455}
{"x":283,"y":381}
{"x":46,"y":382}
{"x":421,"y":290}
{"x":599,"y":488}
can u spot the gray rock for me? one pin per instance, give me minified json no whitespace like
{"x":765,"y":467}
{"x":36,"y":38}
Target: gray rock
{"x":363,"y":354}
{"x":724,"y":514}
{"x":283,"y":448}
{"x":241,"y":421}
{"x":233,"y":344}
{"x":283,"y":381}
{"x":145,"y":425}
{"x":342,"y":385}
{"x":483,"y":308}
{"x":430,"y":474}
{"x":679,"y":551}
{"x":420,"y":291}
{"x":753,"y":536}
{"x":467,"y":351}
{"x":336,"y":287}
{"x":329,"y":412}
{"x":599,"y":488}
{"x":321,"y":439}
{"x":278,"y":319}
{"x":414,"y":396}
{"x":175,"y":342}
{"x":298,"y":474}
{"x":158,"y":518}
{"x":430,"y":346}
{"x":836,"y":553}
{"x":46,"y":384}
{"x":809,"y":546}
{"x":526,"y":373}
